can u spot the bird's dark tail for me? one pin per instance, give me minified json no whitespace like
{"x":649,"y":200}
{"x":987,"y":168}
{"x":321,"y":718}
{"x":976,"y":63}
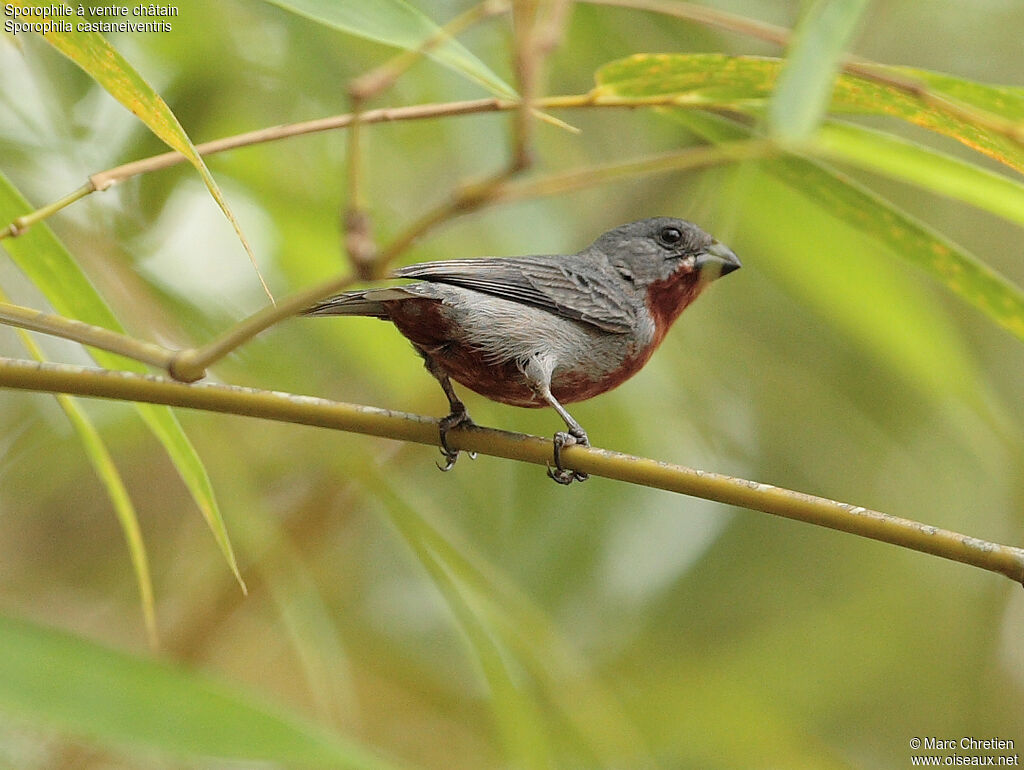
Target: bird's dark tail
{"x":368,"y":302}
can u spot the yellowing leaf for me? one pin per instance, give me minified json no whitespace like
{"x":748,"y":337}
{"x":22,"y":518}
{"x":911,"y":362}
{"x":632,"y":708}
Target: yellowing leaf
{"x":745,"y":83}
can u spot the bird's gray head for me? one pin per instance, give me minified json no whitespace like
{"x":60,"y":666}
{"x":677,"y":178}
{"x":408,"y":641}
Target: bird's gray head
{"x":654,"y":250}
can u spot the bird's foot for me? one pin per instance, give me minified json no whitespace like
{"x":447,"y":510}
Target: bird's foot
{"x":562,"y":439}
{"x":456,"y":419}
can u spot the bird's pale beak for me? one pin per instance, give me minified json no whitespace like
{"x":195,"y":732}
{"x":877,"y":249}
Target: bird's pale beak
{"x":717,"y":261}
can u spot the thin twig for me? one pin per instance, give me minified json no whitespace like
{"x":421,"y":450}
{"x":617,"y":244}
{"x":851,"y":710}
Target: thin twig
{"x":468,"y":197}
{"x":500,"y":188}
{"x":23,"y":223}
{"x":526,"y":62}
{"x":305,"y":410}
{"x":87,"y":334}
{"x":191,"y":365}
{"x":356,"y":220}
{"x":105,"y":179}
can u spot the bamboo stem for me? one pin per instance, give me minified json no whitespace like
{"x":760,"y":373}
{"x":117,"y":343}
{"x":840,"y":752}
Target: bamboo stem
{"x":305,"y":410}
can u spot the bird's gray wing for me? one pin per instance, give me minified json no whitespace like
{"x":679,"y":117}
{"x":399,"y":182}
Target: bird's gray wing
{"x":562,"y":285}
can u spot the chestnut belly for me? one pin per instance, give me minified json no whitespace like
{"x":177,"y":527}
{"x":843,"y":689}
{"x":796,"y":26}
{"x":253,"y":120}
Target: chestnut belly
{"x":505,"y":382}
{"x":581,"y":373}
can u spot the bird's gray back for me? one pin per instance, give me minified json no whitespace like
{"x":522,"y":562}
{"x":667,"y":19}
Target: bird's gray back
{"x":583,"y":287}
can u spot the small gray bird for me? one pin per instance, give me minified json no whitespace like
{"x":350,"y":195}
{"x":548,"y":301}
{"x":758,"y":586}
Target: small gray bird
{"x":546,"y":330}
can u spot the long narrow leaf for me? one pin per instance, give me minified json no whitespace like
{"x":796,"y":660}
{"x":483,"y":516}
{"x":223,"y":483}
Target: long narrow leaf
{"x":43,"y":258}
{"x":103,"y":463}
{"x":73,"y":684}
{"x":396,"y":23}
{"x":745,"y":83}
{"x":929,"y":169}
{"x":805,"y":86}
{"x":955,"y":267}
{"x":739,"y":83}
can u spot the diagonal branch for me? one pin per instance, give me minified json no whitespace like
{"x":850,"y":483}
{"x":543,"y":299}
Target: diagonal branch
{"x":87,"y":334}
{"x":305,"y":410}
{"x":103,"y":180}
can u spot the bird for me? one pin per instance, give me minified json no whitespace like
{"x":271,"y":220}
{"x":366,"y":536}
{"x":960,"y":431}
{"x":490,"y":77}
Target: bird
{"x":545,"y":330}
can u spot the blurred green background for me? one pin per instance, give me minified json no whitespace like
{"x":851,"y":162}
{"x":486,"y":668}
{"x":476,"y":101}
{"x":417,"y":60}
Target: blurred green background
{"x":651,"y":629}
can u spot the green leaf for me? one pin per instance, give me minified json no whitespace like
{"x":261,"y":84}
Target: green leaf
{"x":43,"y":258}
{"x":102,"y":62}
{"x":76,"y":685}
{"x":959,"y":270}
{"x":745,"y":83}
{"x":907,"y":161}
{"x":396,"y":23}
{"x":103,"y":463}
{"x":804,"y":89}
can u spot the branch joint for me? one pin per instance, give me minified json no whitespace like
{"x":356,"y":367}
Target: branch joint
{"x":184,"y":366}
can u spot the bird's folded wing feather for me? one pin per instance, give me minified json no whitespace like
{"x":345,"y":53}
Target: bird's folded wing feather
{"x":555,"y":286}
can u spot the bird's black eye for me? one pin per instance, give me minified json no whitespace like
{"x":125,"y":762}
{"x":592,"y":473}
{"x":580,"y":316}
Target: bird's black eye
{"x":670,"y":236}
